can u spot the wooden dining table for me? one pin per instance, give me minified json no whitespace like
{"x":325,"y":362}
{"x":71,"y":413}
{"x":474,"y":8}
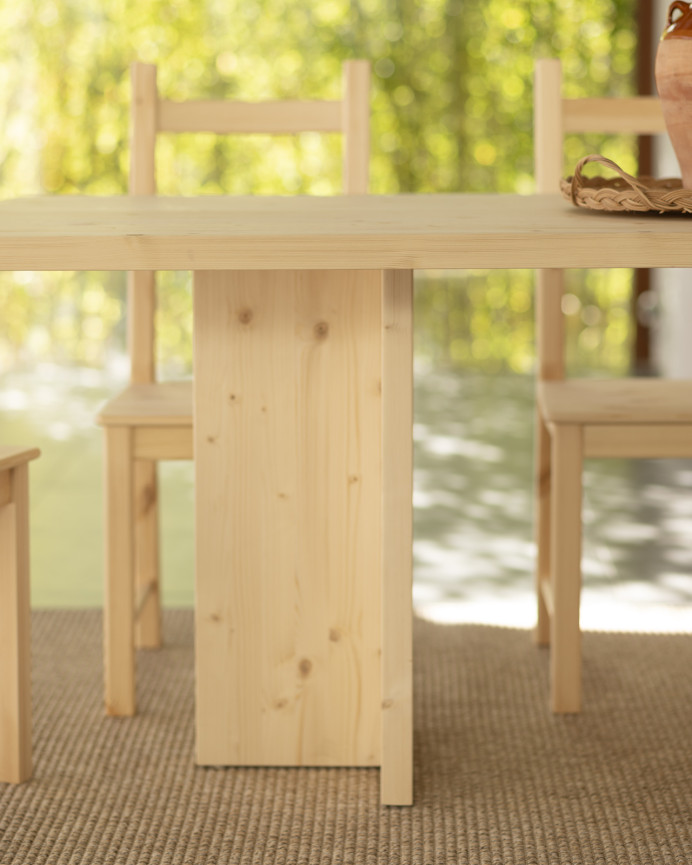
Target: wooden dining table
{"x":303,"y":317}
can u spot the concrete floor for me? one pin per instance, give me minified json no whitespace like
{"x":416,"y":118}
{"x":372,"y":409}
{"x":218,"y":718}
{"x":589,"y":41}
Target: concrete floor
{"x":473,"y":507}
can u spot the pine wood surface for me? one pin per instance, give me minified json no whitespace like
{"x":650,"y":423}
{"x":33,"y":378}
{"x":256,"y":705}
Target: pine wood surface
{"x":11,"y":456}
{"x":15,"y":621}
{"x":288,"y":518}
{"x":398,"y":232}
{"x":157,"y":404}
{"x":616,"y":401}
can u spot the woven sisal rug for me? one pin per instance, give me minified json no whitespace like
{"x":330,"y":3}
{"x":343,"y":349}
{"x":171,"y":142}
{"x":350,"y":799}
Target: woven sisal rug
{"x":498,"y":779}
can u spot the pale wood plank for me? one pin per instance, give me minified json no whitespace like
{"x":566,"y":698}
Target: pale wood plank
{"x":5,"y":487}
{"x":141,"y":296}
{"x":15,"y":633}
{"x":356,"y":126}
{"x":548,"y":125}
{"x":565,"y":568}
{"x":141,"y":314}
{"x":617,"y":401}
{"x":163,"y":443}
{"x":158,"y":404}
{"x":640,"y":441}
{"x":550,"y":339}
{"x":546,"y":590}
{"x":397,"y":538}
{"x":542,"y":510}
{"x":382,"y":232}
{"x":636,"y":115}
{"x":288,"y":500}
{"x":270,"y":117}
{"x":12,"y":456}
{"x":119,"y":645}
{"x":147,"y":634}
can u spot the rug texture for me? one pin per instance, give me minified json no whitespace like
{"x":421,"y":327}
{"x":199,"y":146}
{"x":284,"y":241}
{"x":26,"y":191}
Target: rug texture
{"x":498,"y":779}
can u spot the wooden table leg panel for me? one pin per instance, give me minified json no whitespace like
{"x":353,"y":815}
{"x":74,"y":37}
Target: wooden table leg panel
{"x":288,"y":517}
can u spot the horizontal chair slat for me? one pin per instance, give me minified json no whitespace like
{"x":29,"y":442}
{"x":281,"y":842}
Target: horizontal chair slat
{"x":249,"y":117}
{"x":163,"y":443}
{"x":641,"y":115}
{"x":642,"y":441}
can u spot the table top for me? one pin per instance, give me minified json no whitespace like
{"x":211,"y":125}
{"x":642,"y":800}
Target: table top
{"x":341,"y":232}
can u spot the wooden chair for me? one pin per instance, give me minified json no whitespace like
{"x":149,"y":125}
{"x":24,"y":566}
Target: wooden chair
{"x":152,"y":421}
{"x":639,"y":418}
{"x":15,"y":615}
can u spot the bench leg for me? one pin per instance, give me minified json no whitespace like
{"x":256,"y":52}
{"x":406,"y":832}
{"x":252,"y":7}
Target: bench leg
{"x":148,"y":604}
{"x":15,"y":632}
{"x":119,"y":645}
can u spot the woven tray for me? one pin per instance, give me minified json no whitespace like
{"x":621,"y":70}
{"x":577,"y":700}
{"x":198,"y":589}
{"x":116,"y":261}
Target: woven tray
{"x":625,"y":193}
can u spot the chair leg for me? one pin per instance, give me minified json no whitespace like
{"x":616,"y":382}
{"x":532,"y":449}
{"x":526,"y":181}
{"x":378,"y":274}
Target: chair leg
{"x":147,"y":595}
{"x":542,"y":484}
{"x":119,"y":648}
{"x":565,"y":568}
{"x":15,"y":633}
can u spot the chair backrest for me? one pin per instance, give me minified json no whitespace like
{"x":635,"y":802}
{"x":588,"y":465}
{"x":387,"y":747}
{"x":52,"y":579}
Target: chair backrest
{"x":150,"y":114}
{"x":555,"y":116}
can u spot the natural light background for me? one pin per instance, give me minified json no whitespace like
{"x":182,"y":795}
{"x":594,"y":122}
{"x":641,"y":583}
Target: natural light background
{"x":451,"y":111}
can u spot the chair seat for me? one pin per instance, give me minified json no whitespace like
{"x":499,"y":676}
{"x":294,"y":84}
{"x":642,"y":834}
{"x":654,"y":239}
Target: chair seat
{"x":613,"y":401}
{"x":158,"y":404}
{"x":12,"y":456}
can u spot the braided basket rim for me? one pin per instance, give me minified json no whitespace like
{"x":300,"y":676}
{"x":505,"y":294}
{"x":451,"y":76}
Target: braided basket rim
{"x":665,"y":195}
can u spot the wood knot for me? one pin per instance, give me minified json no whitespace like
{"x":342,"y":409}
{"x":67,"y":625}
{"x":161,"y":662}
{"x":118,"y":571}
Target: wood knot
{"x":305,"y":667}
{"x":388,"y":703}
{"x":280,"y":703}
{"x":321,"y":330}
{"x":245,"y":316}
{"x":233,"y":398}
{"x":334,"y":635}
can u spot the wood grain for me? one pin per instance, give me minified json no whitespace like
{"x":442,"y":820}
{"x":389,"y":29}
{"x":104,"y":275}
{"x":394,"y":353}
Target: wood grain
{"x":228,"y":117}
{"x":565,"y":569}
{"x":382,"y":232}
{"x":119,"y":594}
{"x":397,"y":538}
{"x":288,"y":499}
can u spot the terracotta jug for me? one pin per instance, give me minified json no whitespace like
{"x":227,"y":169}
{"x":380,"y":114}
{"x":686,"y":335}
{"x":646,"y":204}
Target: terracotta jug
{"x":674,"y":83}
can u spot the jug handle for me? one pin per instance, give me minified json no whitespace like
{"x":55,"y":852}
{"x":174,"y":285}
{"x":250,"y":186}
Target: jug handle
{"x":681,"y":6}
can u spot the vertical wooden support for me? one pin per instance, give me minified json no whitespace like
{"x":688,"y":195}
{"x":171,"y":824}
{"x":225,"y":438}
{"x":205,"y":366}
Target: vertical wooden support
{"x":146,"y":552}
{"x":356,"y":126}
{"x":397,"y":537}
{"x":141,"y":312}
{"x":15,"y":631}
{"x":141,"y":291}
{"x":548,"y":126}
{"x":565,"y":567}
{"x":119,"y":649}
{"x":548,"y":144}
{"x":550,"y":367}
{"x":288,"y":493}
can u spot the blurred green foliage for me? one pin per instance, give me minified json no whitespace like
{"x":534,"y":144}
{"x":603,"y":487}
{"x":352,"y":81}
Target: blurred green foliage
{"x":451,"y":111}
